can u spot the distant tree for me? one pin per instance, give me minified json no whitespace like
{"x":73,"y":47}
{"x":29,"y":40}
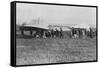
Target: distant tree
{"x":23,"y":24}
{"x":36,"y":21}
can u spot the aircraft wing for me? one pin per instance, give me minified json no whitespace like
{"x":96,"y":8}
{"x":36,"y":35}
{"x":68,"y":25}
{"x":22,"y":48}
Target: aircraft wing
{"x":32,"y":27}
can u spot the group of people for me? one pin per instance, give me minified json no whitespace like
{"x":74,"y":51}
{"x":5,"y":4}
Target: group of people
{"x":49,"y":33}
{"x":55,"y":33}
{"x":79,"y":33}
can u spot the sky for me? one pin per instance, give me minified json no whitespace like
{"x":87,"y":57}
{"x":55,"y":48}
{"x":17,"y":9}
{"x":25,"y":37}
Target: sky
{"x":54,"y":14}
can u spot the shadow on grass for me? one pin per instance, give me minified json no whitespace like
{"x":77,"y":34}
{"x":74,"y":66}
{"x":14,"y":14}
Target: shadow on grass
{"x":24,"y":36}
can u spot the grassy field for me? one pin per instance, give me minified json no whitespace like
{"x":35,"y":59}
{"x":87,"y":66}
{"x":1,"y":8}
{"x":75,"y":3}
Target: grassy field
{"x":41,"y":51}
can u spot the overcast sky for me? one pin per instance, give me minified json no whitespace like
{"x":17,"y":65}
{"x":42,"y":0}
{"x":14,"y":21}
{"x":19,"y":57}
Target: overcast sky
{"x":54,"y":14}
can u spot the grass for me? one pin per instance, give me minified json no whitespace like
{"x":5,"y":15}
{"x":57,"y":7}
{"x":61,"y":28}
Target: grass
{"x":41,"y":51}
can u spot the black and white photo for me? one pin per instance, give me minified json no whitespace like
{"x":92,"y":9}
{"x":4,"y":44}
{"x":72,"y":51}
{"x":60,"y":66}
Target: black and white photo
{"x":53,"y":34}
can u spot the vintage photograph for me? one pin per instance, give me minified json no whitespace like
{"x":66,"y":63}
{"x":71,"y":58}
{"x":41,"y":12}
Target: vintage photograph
{"x":47,"y":34}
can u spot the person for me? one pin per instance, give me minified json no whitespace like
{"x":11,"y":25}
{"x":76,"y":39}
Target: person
{"x":80,"y":33}
{"x":57,"y":33}
{"x":91,"y":33}
{"x":73,"y":32}
{"x":61,"y":32}
{"x":52,"y":33}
